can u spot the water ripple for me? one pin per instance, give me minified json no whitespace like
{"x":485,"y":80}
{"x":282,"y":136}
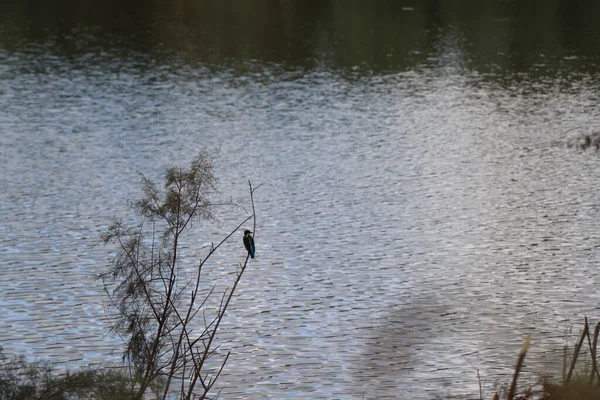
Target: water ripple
{"x":411,"y":226}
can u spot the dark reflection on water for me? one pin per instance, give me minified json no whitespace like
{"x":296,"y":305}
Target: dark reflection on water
{"x":420,"y":214}
{"x":497,"y":37}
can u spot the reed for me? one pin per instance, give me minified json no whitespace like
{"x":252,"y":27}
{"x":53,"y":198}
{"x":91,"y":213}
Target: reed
{"x":574,"y":386}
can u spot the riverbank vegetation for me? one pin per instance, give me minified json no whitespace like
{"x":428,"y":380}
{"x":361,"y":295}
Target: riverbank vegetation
{"x":22,"y":380}
{"x":580,"y":380}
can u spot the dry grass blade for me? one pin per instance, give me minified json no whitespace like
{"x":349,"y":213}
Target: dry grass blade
{"x":522,"y":354}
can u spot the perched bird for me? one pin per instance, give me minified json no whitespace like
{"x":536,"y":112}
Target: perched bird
{"x":249,"y":243}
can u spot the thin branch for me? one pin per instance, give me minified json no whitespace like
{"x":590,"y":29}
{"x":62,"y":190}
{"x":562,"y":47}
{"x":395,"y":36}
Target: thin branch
{"x":224,"y":307}
{"x":576,"y":351}
{"x":594,"y":354}
{"x":214,"y":379}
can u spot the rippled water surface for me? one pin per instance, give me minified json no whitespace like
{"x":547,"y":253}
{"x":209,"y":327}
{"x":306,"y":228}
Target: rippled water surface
{"x":414,"y":223}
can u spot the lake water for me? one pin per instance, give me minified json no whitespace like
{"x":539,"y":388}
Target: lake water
{"x":420,"y":212}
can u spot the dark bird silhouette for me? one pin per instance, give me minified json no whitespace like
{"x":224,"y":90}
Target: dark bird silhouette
{"x":249,"y":243}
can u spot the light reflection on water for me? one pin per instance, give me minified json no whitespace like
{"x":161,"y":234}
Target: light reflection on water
{"x":411,"y":225}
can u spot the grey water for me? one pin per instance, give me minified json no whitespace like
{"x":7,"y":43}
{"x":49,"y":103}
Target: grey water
{"x":419,"y":214}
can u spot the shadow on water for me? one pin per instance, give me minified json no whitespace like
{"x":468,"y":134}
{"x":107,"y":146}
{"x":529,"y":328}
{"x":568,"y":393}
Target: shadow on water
{"x":408,"y":335}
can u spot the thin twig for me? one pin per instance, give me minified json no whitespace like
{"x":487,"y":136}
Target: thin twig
{"x":576,"y":351}
{"x":478,"y":378}
{"x":593,"y":355}
{"x":222,"y":309}
{"x":594,"y":343}
{"x":480,"y":389}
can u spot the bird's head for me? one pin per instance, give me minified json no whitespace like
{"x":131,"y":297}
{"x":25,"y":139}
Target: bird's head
{"x":247,"y":232}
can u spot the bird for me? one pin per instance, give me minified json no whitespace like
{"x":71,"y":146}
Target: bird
{"x":249,"y":242}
